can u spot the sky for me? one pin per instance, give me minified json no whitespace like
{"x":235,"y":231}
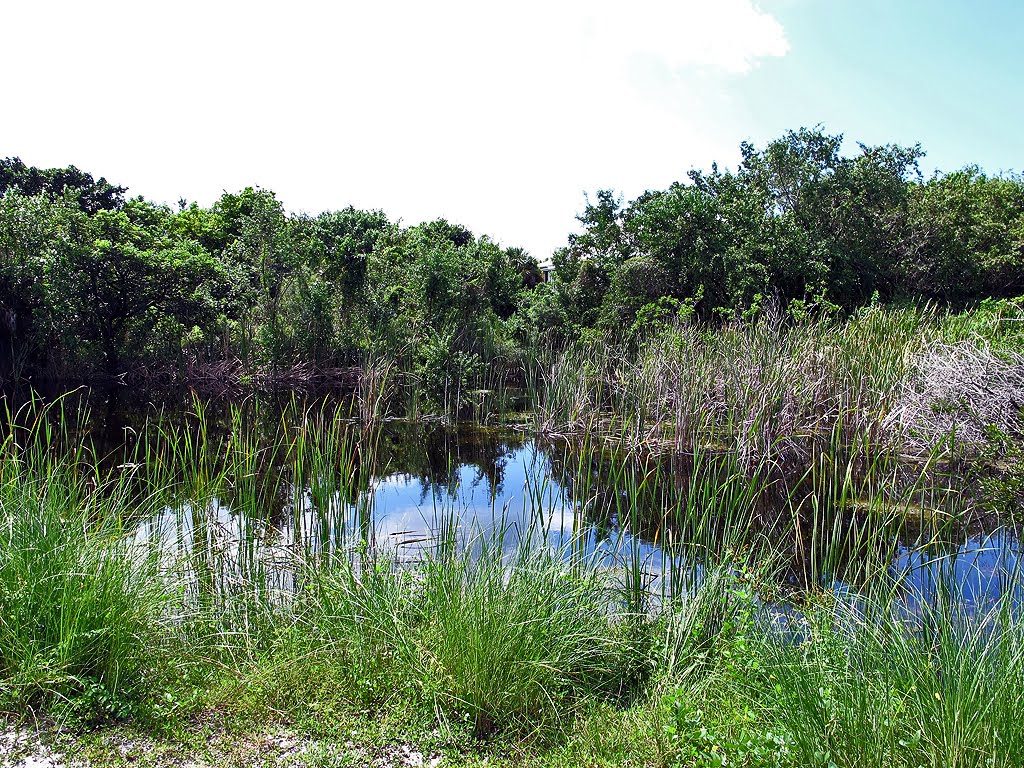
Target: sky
{"x":497,"y":116}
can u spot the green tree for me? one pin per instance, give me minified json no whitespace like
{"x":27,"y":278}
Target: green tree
{"x":33,"y":230}
{"x":965,"y":238}
{"x":795,"y":219}
{"x":91,"y":195}
{"x":257,"y":257}
{"x":123,"y":275}
{"x":843,"y":212}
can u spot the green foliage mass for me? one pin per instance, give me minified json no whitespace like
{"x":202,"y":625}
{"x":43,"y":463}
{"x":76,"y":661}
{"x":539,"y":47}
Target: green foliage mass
{"x":93,"y":284}
{"x":795,"y":221}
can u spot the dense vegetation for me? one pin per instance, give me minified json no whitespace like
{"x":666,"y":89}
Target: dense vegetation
{"x":152,"y":587}
{"x":93,"y":283}
{"x":787,"y":400}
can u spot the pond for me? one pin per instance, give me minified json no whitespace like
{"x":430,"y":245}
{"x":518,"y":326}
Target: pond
{"x":293,"y":480}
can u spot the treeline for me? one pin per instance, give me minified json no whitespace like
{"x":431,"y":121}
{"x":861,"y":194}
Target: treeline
{"x":798,"y":224}
{"x":93,"y":283}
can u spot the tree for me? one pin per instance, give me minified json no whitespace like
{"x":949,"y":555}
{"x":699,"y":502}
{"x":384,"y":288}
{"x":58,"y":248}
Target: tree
{"x":122,"y":275}
{"x":257,"y":258}
{"x":33,"y":230}
{"x":966,"y":237}
{"x":337,"y":244}
{"x":681,"y":233}
{"x":843,"y":212}
{"x":91,"y":195}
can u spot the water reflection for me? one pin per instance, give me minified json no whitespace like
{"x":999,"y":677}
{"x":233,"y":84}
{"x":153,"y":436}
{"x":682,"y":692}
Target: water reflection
{"x":659,"y":520}
{"x":977,"y":571}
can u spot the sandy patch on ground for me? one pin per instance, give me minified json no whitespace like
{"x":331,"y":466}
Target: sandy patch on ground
{"x":22,"y":747}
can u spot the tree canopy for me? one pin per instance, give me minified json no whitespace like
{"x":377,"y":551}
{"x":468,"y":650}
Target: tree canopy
{"x":91,"y":281}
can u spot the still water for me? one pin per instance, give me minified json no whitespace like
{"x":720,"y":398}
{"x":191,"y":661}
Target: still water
{"x":659,"y":518}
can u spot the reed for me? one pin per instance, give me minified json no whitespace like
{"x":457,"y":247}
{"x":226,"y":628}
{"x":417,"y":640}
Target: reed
{"x":870,"y":685}
{"x":773,"y":388}
{"x":742,"y":599}
{"x":84,"y":610}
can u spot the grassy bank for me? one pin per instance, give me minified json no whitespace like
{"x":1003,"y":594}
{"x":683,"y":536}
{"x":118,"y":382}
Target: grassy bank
{"x":211,"y":580}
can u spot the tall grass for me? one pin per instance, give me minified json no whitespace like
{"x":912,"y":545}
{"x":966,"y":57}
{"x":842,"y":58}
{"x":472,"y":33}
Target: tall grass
{"x":774,"y":388}
{"x":867,"y":686}
{"x":501,"y":638}
{"x":748,"y":606}
{"x":84,"y":610}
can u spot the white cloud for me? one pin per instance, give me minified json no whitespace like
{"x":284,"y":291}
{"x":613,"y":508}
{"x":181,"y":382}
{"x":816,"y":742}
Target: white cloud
{"x":726,"y":35}
{"x":495,"y":115}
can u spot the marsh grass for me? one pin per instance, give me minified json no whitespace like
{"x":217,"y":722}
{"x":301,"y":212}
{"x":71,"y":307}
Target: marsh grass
{"x":771,"y":624}
{"x":500,"y":636}
{"x":84,"y":610}
{"x":509,"y":640}
{"x":773,"y":388}
{"x":864,"y":685}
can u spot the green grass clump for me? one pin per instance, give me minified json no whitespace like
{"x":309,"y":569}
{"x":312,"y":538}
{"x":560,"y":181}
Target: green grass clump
{"x":514,"y":642}
{"x":83,"y":610}
{"x":497,"y":639}
{"x":940,"y":689}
